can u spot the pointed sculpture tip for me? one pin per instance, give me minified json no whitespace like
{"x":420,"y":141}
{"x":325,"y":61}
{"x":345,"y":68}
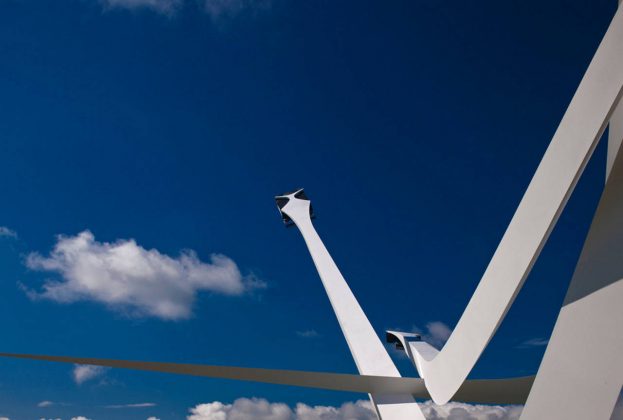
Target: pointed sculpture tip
{"x":283,"y":199}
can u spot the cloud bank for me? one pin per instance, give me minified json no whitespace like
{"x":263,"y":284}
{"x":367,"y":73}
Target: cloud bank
{"x":127,"y":278}
{"x":261,"y":409}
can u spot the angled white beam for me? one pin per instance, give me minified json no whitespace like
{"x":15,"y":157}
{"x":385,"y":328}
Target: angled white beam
{"x":321,"y":380}
{"x":569,"y":151}
{"x":615,"y":135}
{"x":581,"y":373}
{"x":615,"y":132}
{"x":369,"y":354}
{"x":482,"y":391}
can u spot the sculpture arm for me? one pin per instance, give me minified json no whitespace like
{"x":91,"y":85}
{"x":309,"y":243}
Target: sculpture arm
{"x":568,"y":153}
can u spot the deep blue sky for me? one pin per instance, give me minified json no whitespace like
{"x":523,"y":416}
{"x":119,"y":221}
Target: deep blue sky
{"x":414,"y":126}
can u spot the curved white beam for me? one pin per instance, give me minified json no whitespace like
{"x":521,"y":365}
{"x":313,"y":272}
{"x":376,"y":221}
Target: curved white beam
{"x":569,"y":151}
{"x":369,"y":354}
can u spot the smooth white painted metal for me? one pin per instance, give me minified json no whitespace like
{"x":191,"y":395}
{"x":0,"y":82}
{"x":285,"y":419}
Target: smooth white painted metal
{"x":369,"y":354}
{"x":483,"y":391}
{"x":569,"y":151}
{"x":615,"y":135}
{"x":581,"y":374}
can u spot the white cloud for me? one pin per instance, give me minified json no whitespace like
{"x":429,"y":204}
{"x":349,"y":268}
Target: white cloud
{"x":133,"y":280}
{"x":84,"y":373}
{"x":261,"y":409}
{"x":152,"y":418}
{"x":350,"y":410}
{"x":166,"y":7}
{"x":242,"y":408}
{"x":308,"y":334}
{"x":136,"y":405}
{"x":4,"y":418}
{"x":533,"y":342}
{"x":461,"y":411}
{"x":45,"y":404}
{"x":436,"y":333}
{"x":9,"y":233}
{"x":80,"y":418}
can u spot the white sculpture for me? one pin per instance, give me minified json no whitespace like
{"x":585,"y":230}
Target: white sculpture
{"x":581,"y":374}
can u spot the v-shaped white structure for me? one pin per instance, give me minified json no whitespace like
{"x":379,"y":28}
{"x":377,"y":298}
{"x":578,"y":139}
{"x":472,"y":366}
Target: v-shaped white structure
{"x":581,"y":374}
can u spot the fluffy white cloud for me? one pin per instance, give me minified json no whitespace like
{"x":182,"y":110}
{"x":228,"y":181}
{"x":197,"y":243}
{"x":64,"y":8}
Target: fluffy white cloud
{"x":348,"y":411}
{"x":133,"y":280}
{"x":45,"y":404}
{"x":460,"y":411}
{"x":4,"y":418}
{"x":84,"y":373}
{"x":166,"y":7}
{"x":80,"y":418}
{"x":152,"y":418}
{"x":242,"y":408}
{"x":257,"y":408}
{"x":5,"y":231}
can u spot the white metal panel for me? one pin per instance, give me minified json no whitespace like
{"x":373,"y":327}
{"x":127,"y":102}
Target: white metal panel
{"x":615,"y":135}
{"x":581,"y":373}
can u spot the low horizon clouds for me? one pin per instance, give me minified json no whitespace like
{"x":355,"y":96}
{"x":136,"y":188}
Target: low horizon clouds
{"x":215,"y":9}
{"x":132,"y":280}
{"x":259,"y":408}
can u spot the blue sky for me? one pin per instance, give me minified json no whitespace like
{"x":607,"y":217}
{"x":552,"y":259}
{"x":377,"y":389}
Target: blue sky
{"x":161,"y":130}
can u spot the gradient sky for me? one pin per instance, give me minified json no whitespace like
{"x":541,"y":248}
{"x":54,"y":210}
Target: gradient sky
{"x":414,"y":126}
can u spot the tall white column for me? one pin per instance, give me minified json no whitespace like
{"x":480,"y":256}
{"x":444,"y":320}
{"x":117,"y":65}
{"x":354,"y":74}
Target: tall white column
{"x":369,"y":354}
